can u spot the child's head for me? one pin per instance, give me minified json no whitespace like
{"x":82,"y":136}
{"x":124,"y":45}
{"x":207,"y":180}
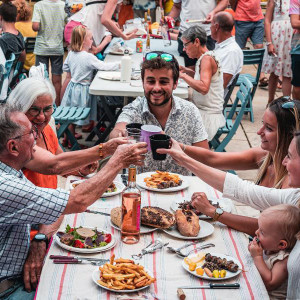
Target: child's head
{"x":8,"y":12}
{"x":81,"y":39}
{"x":24,"y":10}
{"x":278,"y":227}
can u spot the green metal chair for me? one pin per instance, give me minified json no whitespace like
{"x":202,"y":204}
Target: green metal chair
{"x":243,"y":96}
{"x":67,"y":115}
{"x":252,"y":57}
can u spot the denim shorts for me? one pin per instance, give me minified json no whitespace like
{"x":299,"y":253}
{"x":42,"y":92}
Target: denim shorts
{"x":295,"y":70}
{"x":56,"y":63}
{"x":252,"y":30}
{"x":17,"y":292}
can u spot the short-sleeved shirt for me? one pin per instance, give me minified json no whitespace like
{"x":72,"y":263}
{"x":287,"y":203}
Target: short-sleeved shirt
{"x":51,"y":16}
{"x":184,"y":124}
{"x":248,"y":10}
{"x":195,"y":10}
{"x":230,"y":56}
{"x":22,"y":204}
{"x":45,"y":180}
{"x":11,"y":43}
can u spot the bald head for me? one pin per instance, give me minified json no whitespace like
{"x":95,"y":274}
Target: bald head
{"x":225,"y":21}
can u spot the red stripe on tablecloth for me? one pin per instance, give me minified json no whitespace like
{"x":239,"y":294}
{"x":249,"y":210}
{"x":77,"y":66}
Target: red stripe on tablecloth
{"x":238,"y":255}
{"x":153,"y":254}
{"x":61,"y":284}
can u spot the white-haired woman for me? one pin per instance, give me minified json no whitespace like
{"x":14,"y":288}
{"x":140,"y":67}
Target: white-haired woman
{"x":36,"y":98}
{"x":206,"y":81}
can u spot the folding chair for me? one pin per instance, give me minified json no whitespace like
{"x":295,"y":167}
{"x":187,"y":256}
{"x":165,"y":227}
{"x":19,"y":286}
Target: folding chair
{"x":243,"y":96}
{"x":67,"y":115}
{"x":252,"y":57}
{"x":230,"y":89}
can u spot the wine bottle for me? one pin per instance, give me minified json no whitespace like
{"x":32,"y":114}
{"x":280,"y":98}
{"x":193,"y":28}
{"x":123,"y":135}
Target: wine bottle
{"x":131,"y":210}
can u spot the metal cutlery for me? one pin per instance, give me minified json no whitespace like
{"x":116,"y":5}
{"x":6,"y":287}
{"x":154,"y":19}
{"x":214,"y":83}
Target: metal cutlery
{"x":62,"y":259}
{"x":182,"y":247}
{"x":97,"y":212}
{"x":213,"y":286}
{"x":198,"y":248}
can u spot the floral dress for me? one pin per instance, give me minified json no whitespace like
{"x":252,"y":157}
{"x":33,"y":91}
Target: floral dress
{"x":281,"y":33}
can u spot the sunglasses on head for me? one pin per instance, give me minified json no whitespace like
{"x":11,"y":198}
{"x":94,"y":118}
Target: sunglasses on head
{"x":291,"y":105}
{"x":165,"y":56}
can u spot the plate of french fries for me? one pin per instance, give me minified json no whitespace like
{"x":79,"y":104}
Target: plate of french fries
{"x":123,"y":276}
{"x":163,"y":182}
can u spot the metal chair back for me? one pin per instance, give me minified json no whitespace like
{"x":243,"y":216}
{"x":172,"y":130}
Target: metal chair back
{"x":29,"y":44}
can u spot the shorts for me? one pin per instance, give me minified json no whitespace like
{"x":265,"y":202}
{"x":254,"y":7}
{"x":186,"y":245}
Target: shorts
{"x":68,"y":30}
{"x":252,"y":30}
{"x":188,"y":62}
{"x":295,"y":70}
{"x":56,"y":63}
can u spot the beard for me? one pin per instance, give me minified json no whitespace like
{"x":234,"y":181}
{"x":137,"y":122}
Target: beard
{"x":167,"y":97}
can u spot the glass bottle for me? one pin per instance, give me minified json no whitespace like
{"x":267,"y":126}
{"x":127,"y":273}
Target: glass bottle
{"x":131,"y":210}
{"x":149,"y":21}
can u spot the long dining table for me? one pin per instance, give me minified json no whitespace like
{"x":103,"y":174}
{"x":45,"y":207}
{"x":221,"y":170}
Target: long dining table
{"x":74,"y":281}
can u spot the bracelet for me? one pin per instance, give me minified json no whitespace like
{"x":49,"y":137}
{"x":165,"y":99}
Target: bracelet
{"x":101,"y":150}
{"x":183,"y":147}
{"x":268,"y":43}
{"x":81,"y":174}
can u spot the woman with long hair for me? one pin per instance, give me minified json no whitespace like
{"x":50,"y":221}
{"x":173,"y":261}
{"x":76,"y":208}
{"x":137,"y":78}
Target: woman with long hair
{"x":278,"y":124}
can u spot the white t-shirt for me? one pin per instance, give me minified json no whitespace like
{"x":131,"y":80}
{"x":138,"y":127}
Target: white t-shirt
{"x":260,"y":197}
{"x":195,"y":10}
{"x":230,"y":56}
{"x":3,"y":94}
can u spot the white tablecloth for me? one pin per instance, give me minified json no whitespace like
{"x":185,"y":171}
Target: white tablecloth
{"x":75,"y":281}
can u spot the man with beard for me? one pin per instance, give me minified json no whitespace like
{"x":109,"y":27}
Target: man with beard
{"x":178,"y":118}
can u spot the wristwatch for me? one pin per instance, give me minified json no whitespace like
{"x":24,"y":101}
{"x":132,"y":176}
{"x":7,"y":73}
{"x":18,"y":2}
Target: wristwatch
{"x":218,"y":212}
{"x":40,"y":237}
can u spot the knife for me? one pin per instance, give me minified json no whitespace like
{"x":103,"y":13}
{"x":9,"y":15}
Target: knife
{"x":213,"y":286}
{"x":79,"y":261}
{"x":63,"y":257}
{"x":97,"y":212}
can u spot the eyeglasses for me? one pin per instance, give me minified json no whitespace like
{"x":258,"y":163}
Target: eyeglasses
{"x":165,"y":56}
{"x":35,"y":111}
{"x":184,"y":45}
{"x":33,"y":131}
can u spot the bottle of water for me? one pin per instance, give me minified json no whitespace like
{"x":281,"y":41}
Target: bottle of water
{"x":126,"y":67}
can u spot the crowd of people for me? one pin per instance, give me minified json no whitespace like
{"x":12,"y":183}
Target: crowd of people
{"x":31,"y":157}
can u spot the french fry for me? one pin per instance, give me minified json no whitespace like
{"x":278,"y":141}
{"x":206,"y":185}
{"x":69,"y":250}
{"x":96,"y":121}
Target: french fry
{"x":123,"y":274}
{"x":160,"y":177}
{"x":112,"y":259}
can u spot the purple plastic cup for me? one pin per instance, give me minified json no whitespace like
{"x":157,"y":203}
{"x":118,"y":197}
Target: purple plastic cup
{"x":147,"y":131}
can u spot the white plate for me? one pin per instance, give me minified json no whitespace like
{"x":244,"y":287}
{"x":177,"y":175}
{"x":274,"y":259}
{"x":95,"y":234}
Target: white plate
{"x":96,"y":277}
{"x":114,"y":76}
{"x":204,"y":276}
{"x":225,"y":204}
{"x":85,"y":250}
{"x":206,"y":229}
{"x":120,"y":53}
{"x":140,"y":182}
{"x":120,"y":187}
{"x":143,"y":229}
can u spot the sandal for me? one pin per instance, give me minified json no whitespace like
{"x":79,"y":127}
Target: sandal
{"x":279,"y":84}
{"x":263,"y":82}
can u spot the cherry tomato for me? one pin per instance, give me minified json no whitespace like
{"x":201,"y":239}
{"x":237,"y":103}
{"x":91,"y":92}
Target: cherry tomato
{"x":107,"y":238}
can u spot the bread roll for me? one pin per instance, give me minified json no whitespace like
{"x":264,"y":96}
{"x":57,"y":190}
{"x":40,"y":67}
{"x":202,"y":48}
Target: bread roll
{"x":157,"y":217}
{"x":116,"y":216}
{"x":187,"y":222}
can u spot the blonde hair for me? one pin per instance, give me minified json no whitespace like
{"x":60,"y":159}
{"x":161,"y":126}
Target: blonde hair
{"x":24,"y":11}
{"x":286,"y":219}
{"x":77,"y":38}
{"x":287,"y":123}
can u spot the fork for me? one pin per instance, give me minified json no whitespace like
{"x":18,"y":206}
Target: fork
{"x":182,"y":247}
{"x":179,"y":253}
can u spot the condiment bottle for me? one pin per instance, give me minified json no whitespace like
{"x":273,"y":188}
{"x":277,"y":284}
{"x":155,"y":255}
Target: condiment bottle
{"x":131,"y":210}
{"x":126,"y":67}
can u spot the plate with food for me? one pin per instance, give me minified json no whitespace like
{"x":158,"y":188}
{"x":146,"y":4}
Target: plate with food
{"x":212,"y":266}
{"x":163,"y":182}
{"x":85,"y":239}
{"x":122,"y":276}
{"x":224,"y":203}
{"x":114,"y":189}
{"x":152,"y":218}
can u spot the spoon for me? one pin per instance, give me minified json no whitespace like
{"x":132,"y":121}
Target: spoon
{"x":179,"y":253}
{"x":182,"y":247}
